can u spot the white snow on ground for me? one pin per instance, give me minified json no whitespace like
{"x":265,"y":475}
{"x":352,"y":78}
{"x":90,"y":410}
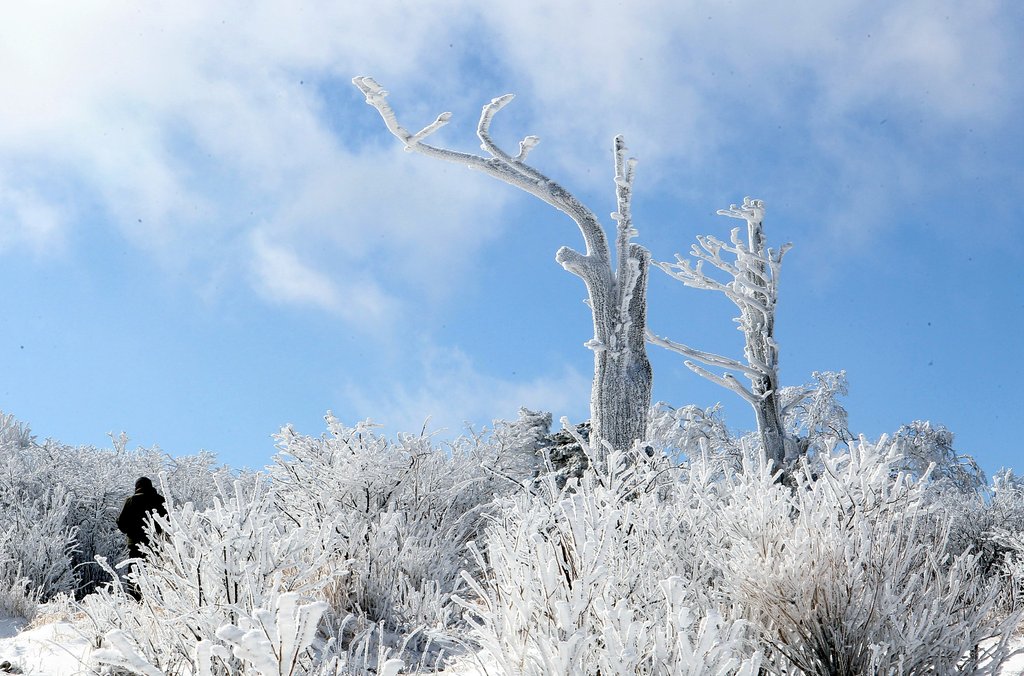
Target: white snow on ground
{"x":1015,"y":666}
{"x":50,"y":650}
{"x":57,"y":650}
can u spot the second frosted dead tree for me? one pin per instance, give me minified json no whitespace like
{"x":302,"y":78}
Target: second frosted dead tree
{"x":754,"y":289}
{"x":616,"y":280}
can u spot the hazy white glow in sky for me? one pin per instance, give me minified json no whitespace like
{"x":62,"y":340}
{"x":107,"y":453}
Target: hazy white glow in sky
{"x":205,"y":234}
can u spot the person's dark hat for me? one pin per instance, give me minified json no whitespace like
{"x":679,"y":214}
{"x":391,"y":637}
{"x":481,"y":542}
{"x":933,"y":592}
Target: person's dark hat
{"x":143,"y":483}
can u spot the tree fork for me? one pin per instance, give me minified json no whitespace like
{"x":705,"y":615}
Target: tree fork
{"x":621,"y":391}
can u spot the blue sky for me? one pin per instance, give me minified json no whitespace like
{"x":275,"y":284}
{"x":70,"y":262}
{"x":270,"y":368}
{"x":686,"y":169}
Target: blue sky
{"x":205,"y":233}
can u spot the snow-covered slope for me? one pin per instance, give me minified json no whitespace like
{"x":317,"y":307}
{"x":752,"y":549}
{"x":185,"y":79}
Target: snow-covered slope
{"x":57,"y":650}
{"x":49,"y":650}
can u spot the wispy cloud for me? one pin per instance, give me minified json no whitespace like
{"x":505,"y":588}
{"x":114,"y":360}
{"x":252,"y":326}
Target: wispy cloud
{"x":27,"y":220}
{"x":451,"y":390}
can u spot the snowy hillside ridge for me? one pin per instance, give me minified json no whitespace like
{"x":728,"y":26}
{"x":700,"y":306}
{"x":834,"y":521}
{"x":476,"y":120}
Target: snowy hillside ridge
{"x":356,"y":553}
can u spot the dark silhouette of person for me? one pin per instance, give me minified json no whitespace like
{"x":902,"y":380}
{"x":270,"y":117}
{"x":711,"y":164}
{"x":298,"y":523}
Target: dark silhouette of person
{"x":132,"y":520}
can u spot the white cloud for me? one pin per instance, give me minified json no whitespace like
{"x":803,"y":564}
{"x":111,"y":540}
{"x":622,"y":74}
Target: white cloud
{"x":451,"y":390}
{"x":29,"y":221}
{"x":193,"y":125}
{"x":674,"y":76}
{"x":281,"y":275}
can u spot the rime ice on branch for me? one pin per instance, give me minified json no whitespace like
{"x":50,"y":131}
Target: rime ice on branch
{"x":754,"y":289}
{"x":621,"y":391}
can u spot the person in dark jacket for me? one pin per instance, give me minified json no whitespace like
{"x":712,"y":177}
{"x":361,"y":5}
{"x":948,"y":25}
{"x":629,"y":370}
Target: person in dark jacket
{"x":132,"y":521}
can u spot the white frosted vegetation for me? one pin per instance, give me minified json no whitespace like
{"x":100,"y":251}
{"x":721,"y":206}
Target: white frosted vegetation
{"x":58,"y":504}
{"x":361,"y":554}
{"x":342,"y":559}
{"x":615,"y":276}
{"x":607,"y":575}
{"x":273,"y":640}
{"x":850,"y":571}
{"x":753,"y":287}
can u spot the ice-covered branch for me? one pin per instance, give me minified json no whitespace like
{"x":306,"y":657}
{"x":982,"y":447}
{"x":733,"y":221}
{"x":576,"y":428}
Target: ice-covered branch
{"x":751,"y":211}
{"x":525,"y":146}
{"x":441,"y":121}
{"x":501,"y":165}
{"x":706,"y":357}
{"x":692,"y":276}
{"x":628,"y":268}
{"x":727,"y":381}
{"x":581,"y":265}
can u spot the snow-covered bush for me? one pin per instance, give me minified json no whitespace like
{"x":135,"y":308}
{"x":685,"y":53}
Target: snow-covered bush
{"x":604,"y":576}
{"x":849,"y":572}
{"x":92,"y":484}
{"x":692,"y":432}
{"x":410,"y":508}
{"x":36,"y":542}
{"x":362,"y":554}
{"x":273,"y":640}
{"x":373,"y":529}
{"x":927,"y":448}
{"x":216,"y":568}
{"x":813,"y":415}
{"x":991,"y":523}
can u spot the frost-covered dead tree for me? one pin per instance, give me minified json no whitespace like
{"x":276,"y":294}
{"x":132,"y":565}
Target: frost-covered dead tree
{"x":621,"y":391}
{"x":754,"y":269}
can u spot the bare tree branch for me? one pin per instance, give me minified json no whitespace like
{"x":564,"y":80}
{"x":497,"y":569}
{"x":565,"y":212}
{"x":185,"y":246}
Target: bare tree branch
{"x":500,"y":165}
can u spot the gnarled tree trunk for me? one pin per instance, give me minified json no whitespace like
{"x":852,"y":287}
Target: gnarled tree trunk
{"x":621,"y":391}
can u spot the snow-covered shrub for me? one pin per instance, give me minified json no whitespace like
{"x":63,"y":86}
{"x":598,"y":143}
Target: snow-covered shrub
{"x":410,"y":510}
{"x":100,"y":492}
{"x":14,"y":434}
{"x":604,"y":576}
{"x":372,"y":528}
{"x":95,"y":483}
{"x":991,"y":523}
{"x":273,"y":640}
{"x":36,"y":542}
{"x":813,"y":415}
{"x":927,"y":448}
{"x":215,"y":568}
{"x":848,"y":572}
{"x":692,"y":432}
